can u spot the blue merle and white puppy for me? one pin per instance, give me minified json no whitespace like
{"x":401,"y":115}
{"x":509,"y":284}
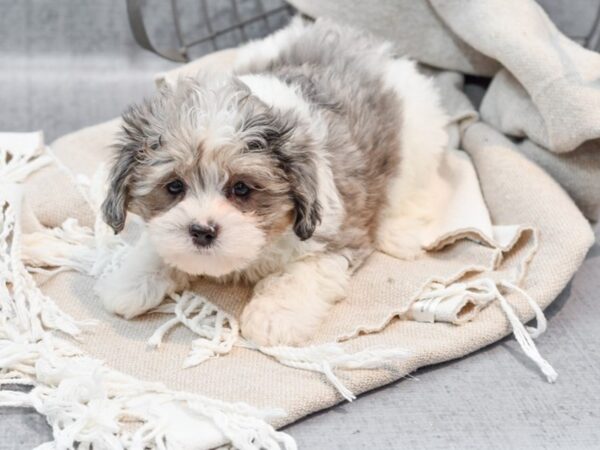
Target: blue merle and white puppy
{"x":286,"y":172}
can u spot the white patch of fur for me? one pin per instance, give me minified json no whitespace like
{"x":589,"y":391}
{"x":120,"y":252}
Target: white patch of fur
{"x":415,"y":194}
{"x":277,"y":94}
{"x":214,"y":119}
{"x":238,"y":243}
{"x":288,"y":307}
{"x":274,"y":257}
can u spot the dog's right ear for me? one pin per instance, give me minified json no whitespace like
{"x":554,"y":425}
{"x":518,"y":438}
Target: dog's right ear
{"x":114,"y":207}
{"x":128,"y":150}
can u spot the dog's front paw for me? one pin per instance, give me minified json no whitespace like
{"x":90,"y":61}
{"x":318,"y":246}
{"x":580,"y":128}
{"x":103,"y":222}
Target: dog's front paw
{"x":129,"y":296}
{"x":123,"y":302}
{"x":267,"y":323}
{"x":399,"y":241}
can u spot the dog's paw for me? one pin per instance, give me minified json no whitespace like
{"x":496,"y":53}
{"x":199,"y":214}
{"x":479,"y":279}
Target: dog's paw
{"x":399,"y":242}
{"x":125,"y":303}
{"x":402,"y":251}
{"x":129,"y":296}
{"x":267,"y":323}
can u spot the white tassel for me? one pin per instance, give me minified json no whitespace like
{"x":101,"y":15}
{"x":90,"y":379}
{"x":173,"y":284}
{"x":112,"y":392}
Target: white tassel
{"x":24,"y":308}
{"x":524,"y":335}
{"x":540,"y":318}
{"x":218,"y":331}
{"x":444,"y":303}
{"x":87,"y":403}
{"x":71,"y":246}
{"x":326,"y":358}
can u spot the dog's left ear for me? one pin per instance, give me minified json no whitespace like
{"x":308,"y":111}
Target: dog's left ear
{"x":265,"y":129}
{"x":298,"y":162}
{"x":302,"y":173}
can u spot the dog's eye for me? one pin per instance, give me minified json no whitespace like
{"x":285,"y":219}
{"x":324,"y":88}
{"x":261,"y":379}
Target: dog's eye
{"x":175,"y":187}
{"x":240,"y":189}
{"x":254,"y":145}
{"x":157,"y":144}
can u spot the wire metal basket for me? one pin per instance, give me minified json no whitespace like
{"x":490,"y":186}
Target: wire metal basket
{"x":200,"y":24}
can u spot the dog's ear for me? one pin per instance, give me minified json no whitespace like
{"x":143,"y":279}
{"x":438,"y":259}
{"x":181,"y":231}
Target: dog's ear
{"x":114,"y":207}
{"x":128,"y":151}
{"x":278,"y":133}
{"x":297,"y":158}
{"x":302,"y":173}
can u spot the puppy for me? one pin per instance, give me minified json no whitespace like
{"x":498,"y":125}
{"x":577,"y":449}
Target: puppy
{"x":287,"y":172}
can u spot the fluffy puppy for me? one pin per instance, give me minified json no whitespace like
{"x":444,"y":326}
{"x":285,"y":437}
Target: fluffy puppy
{"x":316,"y":149}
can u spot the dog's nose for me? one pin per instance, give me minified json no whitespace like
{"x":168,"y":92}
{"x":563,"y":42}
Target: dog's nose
{"x":203,"y":235}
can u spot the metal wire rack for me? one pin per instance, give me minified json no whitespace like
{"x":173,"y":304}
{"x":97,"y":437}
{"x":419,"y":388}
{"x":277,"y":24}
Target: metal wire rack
{"x":241,"y":16}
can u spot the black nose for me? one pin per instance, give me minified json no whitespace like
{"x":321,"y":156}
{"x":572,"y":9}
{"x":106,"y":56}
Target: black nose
{"x":203,"y":235}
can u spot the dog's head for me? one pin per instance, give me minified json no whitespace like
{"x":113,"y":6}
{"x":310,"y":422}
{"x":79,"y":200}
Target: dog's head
{"x":216,"y":174}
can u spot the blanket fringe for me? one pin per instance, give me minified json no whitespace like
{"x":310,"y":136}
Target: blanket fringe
{"x":219,"y":332}
{"x":458,"y":302}
{"x":89,"y":406}
{"x":24,"y":308}
{"x":326,"y":358}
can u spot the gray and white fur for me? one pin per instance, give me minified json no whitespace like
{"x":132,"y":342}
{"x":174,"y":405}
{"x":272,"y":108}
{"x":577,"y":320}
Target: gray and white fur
{"x":286,"y":172}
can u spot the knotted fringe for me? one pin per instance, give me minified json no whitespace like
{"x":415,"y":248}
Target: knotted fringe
{"x":95,"y":252}
{"x":90,"y":406}
{"x":87,"y":404}
{"x":328,"y":357}
{"x":458,"y":302}
{"x":219,"y":332}
{"x":25,"y":311}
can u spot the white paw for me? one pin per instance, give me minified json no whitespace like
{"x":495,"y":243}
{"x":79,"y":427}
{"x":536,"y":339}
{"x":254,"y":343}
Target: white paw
{"x":268,"y":323}
{"x":129,"y":296}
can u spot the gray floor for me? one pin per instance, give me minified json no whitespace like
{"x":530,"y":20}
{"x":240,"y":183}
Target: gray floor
{"x":67,"y":64}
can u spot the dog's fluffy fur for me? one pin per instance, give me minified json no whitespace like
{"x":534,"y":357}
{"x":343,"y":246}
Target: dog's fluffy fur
{"x":339,"y":144}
